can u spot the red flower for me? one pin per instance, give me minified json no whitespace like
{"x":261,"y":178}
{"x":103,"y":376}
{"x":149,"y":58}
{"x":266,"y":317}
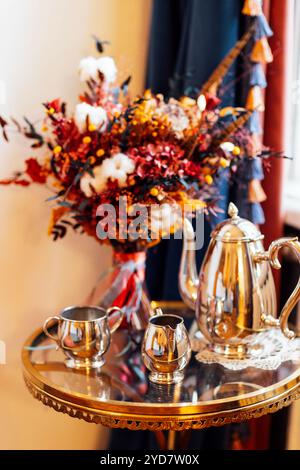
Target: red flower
{"x":35,"y":171}
{"x":212,"y":101}
{"x":55,"y":104}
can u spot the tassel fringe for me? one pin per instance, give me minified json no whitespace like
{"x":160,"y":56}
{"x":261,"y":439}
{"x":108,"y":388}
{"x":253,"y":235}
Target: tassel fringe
{"x":262,"y":52}
{"x":256,"y":192}
{"x":252,"y":8}
{"x":255,"y":100}
{"x":257,"y":76}
{"x":253,"y":123}
{"x":262,"y":28}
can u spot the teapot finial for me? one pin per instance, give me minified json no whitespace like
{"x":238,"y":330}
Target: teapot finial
{"x":233,"y":211}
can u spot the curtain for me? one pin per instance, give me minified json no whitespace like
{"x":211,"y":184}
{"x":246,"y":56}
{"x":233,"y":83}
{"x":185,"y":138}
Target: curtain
{"x":280,"y":16}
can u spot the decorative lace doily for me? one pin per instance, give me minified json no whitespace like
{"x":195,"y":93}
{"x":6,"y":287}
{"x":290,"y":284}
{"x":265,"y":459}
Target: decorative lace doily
{"x":270,"y":349}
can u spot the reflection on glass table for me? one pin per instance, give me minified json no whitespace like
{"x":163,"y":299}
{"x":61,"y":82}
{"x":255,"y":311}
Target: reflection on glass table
{"x":120,"y":394}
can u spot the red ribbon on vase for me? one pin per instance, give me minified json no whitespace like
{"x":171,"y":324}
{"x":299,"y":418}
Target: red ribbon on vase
{"x":128,"y":279}
{"x":124,"y":289}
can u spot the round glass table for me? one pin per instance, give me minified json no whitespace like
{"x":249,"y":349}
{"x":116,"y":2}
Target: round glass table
{"x":119,"y":395}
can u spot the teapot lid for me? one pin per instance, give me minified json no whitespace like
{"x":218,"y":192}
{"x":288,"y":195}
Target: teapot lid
{"x":236,"y":229}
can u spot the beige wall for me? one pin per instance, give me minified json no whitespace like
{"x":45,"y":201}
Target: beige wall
{"x":41,"y":43}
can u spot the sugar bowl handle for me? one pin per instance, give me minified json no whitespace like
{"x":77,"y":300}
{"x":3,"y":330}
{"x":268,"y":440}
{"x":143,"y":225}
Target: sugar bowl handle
{"x":111,"y":312}
{"x":272,"y":256}
{"x":45,"y":327}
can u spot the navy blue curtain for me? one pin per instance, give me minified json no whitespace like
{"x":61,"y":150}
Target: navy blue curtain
{"x":188,"y":40}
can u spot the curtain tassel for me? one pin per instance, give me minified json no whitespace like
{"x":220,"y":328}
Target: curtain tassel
{"x":252,"y":8}
{"x":255,"y":100}
{"x":257,"y":76}
{"x":256,"y":192}
{"x":253,"y":123}
{"x":262,"y":28}
{"x":262,"y":52}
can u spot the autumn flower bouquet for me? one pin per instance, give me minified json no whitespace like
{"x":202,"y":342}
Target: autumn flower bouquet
{"x":114,"y":155}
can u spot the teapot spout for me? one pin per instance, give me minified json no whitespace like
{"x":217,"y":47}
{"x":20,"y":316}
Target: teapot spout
{"x":188,"y":276}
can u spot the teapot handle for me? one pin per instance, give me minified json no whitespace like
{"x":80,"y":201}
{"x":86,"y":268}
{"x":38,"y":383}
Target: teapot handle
{"x":272,"y":256}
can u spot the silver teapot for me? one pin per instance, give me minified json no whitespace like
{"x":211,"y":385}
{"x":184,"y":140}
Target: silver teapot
{"x":234,"y":295}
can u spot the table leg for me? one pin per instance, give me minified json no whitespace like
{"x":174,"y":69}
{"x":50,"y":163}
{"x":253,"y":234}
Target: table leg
{"x":171,"y":440}
{"x":161,"y":440}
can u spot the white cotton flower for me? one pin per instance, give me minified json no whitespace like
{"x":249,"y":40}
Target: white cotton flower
{"x":165,"y":218}
{"x":201,"y":103}
{"x":97,"y":116}
{"x":90,"y":66}
{"x":118,"y":167}
{"x":96,"y":182}
{"x":107,"y":66}
{"x":227,"y":146}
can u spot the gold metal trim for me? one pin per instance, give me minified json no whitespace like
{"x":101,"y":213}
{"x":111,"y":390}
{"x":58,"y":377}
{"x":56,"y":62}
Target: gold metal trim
{"x":159,"y":423}
{"x":167,"y":304}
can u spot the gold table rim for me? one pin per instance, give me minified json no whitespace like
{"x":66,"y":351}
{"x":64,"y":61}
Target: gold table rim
{"x":143,"y":410}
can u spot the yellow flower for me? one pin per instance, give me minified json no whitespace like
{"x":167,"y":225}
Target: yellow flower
{"x":92,"y":159}
{"x":147,"y":94}
{"x":224,"y":163}
{"x":57,"y":149}
{"x":87,"y":139}
{"x":92,"y":128}
{"x":154,"y":192}
{"x":131,"y":180}
{"x":154,"y":134}
{"x":50,"y":110}
{"x":187,"y":102}
{"x":236,"y":151}
{"x":208,"y":179}
{"x":100,"y":153}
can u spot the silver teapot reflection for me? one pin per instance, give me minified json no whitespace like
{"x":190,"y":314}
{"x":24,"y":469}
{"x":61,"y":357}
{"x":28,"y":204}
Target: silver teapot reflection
{"x":234,"y":295}
{"x":166,"y":348}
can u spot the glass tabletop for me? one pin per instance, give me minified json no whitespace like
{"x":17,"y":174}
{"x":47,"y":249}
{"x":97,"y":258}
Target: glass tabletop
{"x":122,"y":384}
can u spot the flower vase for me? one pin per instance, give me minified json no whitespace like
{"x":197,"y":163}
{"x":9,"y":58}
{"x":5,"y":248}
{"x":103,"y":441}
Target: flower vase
{"x":123,"y":285}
